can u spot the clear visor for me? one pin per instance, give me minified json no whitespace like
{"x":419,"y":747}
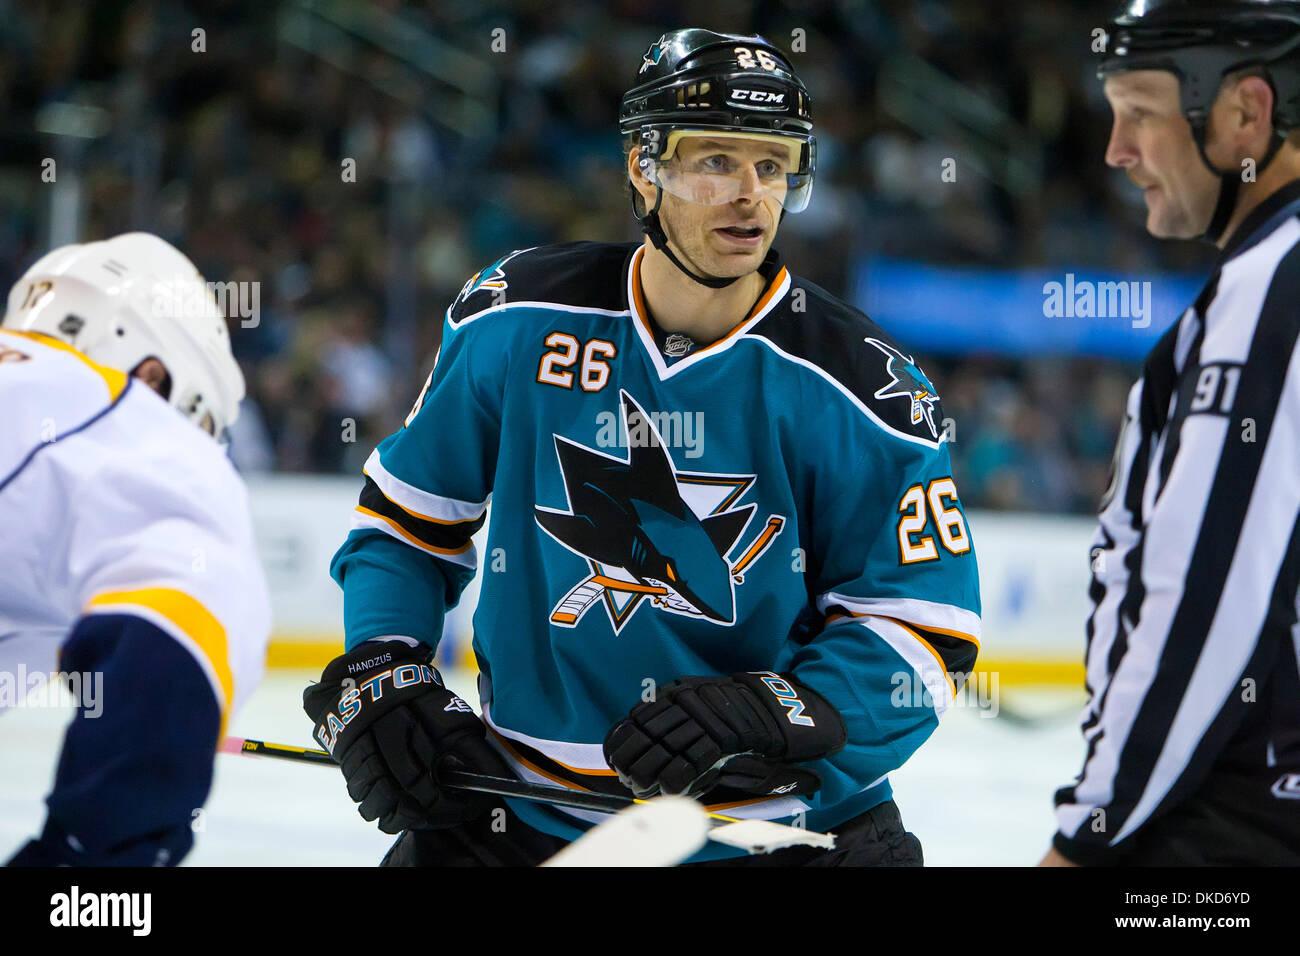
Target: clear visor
{"x":716,"y":168}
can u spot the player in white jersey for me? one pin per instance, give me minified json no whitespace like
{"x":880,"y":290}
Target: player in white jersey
{"x":127,"y":560}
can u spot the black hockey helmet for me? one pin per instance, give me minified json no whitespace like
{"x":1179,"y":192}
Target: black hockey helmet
{"x":1200,"y":42}
{"x":696,"y":80}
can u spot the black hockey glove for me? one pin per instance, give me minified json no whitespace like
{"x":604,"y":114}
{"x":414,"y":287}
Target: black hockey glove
{"x":748,"y":731}
{"x":382,"y":711}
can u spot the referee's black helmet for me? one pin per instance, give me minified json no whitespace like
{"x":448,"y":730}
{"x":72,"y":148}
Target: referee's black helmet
{"x":1201,"y":41}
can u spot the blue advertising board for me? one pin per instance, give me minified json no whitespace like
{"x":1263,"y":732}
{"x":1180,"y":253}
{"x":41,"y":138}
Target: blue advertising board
{"x":943,"y":310}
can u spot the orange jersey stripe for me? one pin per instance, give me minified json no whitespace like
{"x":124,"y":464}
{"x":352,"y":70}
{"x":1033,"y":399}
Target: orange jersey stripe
{"x":412,"y":538}
{"x":415,"y":514}
{"x":642,"y":313}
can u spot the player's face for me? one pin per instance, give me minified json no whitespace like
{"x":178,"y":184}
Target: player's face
{"x":1152,"y":142}
{"x":729,"y":238}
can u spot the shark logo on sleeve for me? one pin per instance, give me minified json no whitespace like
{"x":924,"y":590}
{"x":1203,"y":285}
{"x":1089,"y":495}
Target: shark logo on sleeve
{"x":649,"y":531}
{"x":909,"y":382}
{"x":492,"y":279}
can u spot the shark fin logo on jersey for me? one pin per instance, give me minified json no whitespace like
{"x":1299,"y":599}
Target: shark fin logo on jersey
{"x":649,"y":531}
{"x":908,"y":382}
{"x":654,"y":54}
{"x":493,"y":279}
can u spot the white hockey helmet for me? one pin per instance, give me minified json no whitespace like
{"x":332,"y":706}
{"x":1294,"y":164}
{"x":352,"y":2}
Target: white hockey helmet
{"x":120,"y":301}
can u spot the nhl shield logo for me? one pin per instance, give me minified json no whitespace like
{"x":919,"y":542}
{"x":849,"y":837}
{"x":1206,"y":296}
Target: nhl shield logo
{"x":677,"y":345}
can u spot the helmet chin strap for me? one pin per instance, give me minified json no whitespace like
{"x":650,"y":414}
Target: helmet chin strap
{"x":1229,"y":182}
{"x":651,"y":227}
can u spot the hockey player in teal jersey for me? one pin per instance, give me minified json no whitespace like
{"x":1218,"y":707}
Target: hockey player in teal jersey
{"x":726,"y":555}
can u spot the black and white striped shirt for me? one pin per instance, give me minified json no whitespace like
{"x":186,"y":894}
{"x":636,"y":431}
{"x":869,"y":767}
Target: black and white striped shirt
{"x":1193,"y":721}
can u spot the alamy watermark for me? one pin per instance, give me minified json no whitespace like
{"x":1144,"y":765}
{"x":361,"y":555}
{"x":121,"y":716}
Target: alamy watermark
{"x":35,"y":689}
{"x":133,"y":911}
{"x":653,"y":429}
{"x":978,"y":689}
{"x":186,"y":298}
{"x":1085,"y":299}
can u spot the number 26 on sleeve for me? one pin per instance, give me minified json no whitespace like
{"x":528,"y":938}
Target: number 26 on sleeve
{"x":913,"y":545}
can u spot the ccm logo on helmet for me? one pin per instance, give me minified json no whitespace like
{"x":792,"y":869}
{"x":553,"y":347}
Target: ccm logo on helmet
{"x":757,"y":97}
{"x":794,"y":707}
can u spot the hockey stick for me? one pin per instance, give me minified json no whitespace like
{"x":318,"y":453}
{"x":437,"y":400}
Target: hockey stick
{"x":756,"y":836}
{"x":464,"y":780}
{"x":664,"y":831}
{"x":260,"y":748}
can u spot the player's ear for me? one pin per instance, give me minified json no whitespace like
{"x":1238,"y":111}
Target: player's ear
{"x":1253,"y":102}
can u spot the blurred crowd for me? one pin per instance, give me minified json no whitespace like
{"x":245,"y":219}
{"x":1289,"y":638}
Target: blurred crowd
{"x":237,"y":152}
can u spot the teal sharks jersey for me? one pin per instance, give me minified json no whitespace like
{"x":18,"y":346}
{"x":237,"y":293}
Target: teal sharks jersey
{"x":778,"y":500}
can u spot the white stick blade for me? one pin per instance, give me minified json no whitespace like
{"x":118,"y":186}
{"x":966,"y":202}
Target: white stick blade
{"x":660,"y":832}
{"x":764,"y":836}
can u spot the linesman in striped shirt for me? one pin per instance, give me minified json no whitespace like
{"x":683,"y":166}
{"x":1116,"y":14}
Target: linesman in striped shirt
{"x":1193,"y":721}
